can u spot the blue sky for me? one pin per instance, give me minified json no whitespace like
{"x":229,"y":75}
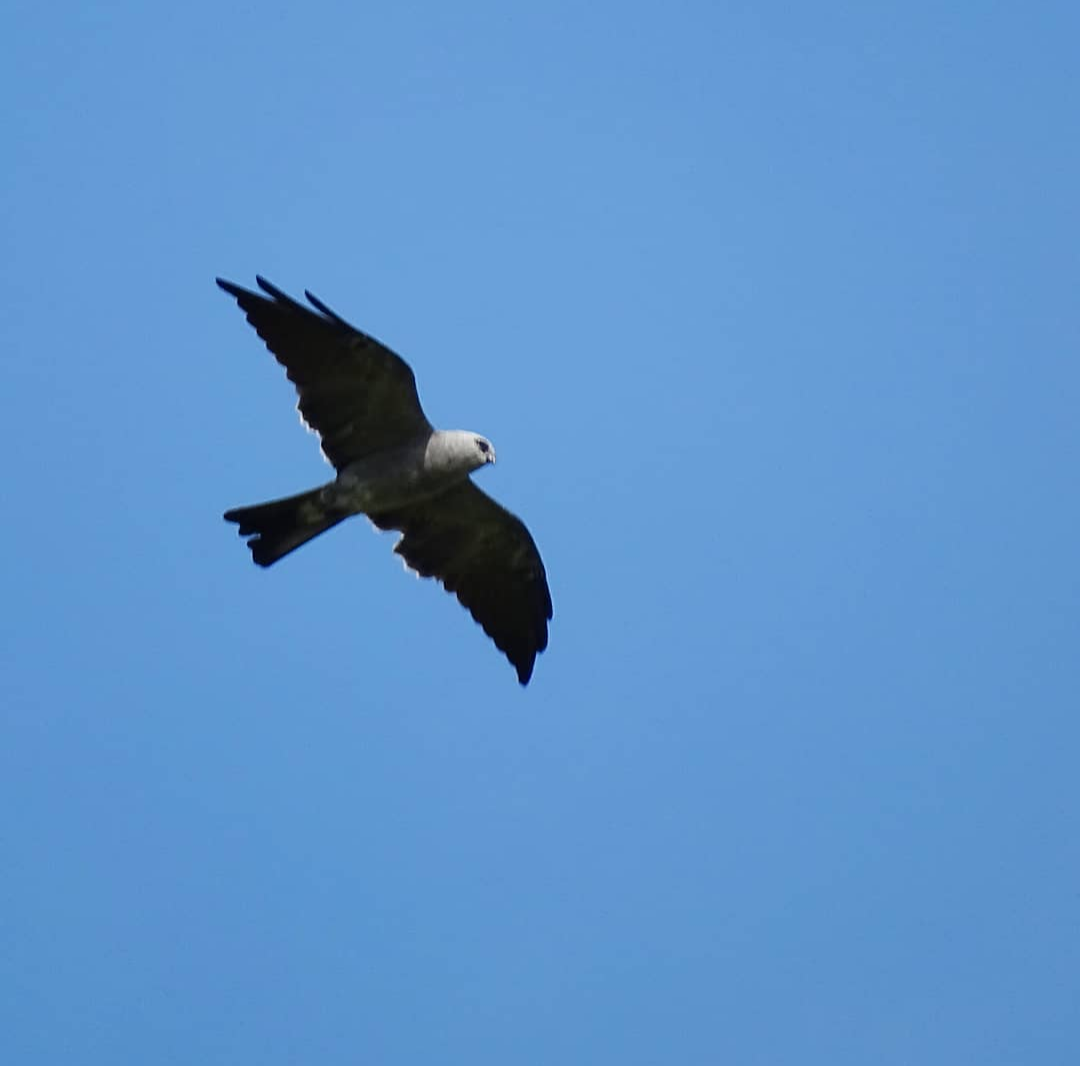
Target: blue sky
{"x":771,"y":313}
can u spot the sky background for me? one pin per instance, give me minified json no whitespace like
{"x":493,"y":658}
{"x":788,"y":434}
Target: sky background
{"x":771,"y":312}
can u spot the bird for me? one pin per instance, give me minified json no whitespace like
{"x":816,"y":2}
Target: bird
{"x":393,"y":466}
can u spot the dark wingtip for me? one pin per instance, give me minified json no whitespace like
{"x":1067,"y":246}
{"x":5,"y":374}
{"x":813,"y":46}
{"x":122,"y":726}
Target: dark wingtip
{"x":229,"y":287}
{"x":332,"y":315}
{"x":316,"y":302}
{"x":524,"y":671}
{"x":240,"y":292}
{"x":271,"y":289}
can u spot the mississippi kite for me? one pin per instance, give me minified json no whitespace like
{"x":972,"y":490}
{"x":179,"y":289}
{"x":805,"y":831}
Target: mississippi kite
{"x":395,"y":467}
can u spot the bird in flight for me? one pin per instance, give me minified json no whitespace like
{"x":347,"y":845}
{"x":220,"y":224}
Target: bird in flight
{"x":395,"y":467}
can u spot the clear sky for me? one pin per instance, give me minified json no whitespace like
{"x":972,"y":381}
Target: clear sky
{"x":771,"y":312}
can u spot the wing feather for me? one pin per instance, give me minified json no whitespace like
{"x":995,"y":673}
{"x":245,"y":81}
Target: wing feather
{"x":355,"y":393}
{"x":485,"y":556}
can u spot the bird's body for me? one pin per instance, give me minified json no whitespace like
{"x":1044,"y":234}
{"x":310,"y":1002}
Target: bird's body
{"x":406,"y":474}
{"x":383,"y":481}
{"x":396,"y":468}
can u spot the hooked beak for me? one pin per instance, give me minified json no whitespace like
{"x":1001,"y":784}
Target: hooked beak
{"x":491,"y":455}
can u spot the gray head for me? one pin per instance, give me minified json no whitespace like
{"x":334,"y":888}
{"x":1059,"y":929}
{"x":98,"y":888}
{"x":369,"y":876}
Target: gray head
{"x":485,"y":450}
{"x":459,"y":450}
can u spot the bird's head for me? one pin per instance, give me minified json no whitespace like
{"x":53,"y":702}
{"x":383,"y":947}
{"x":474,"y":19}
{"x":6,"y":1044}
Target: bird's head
{"x":487,"y":452}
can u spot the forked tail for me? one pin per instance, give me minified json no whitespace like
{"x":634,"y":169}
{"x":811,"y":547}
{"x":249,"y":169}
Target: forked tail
{"x":281,"y":526}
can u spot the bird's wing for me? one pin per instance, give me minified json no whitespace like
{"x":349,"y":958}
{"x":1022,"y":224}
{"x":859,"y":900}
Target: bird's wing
{"x":486,"y":556}
{"x":355,"y":393}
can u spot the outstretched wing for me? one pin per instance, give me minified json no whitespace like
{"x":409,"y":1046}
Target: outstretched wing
{"x":486,"y":556}
{"x":355,"y":393}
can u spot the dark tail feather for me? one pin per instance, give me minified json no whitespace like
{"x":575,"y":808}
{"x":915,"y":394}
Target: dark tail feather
{"x":281,"y":526}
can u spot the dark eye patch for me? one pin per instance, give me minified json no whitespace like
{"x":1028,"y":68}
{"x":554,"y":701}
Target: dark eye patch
{"x":483,"y":446}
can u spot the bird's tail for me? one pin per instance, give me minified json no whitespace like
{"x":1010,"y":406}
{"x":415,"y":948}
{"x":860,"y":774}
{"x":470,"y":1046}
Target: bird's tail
{"x":281,"y":526}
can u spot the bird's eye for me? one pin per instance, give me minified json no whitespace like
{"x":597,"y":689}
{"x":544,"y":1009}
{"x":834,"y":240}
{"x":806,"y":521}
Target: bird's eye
{"x":483,"y":446}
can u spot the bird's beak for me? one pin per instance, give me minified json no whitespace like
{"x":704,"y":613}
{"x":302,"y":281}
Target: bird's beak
{"x":491,"y":456}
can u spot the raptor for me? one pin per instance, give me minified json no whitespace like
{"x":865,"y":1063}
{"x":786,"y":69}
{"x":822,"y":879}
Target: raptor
{"x":395,"y":467}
